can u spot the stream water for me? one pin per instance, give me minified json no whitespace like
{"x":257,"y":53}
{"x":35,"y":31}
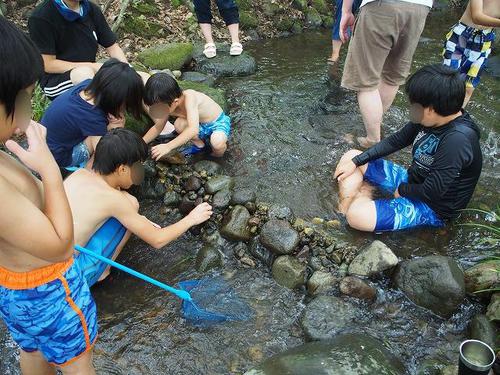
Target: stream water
{"x":289,"y":133}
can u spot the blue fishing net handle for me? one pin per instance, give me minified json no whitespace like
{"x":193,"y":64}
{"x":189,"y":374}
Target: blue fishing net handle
{"x":182,"y":294}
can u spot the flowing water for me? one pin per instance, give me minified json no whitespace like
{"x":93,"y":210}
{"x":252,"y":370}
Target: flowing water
{"x":290,"y":130}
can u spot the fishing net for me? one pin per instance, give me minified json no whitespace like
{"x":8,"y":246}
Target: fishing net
{"x":213,"y":301}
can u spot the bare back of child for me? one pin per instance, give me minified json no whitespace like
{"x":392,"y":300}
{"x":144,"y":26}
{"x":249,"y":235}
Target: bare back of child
{"x":482,"y":14}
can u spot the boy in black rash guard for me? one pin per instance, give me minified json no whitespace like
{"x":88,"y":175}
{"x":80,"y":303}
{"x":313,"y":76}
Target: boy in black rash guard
{"x":446,"y":163}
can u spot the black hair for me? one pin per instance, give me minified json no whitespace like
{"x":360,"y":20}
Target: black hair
{"x":117,"y":87}
{"x":21,"y":64}
{"x":437,"y":86}
{"x":118,"y":147}
{"x":161,"y":88}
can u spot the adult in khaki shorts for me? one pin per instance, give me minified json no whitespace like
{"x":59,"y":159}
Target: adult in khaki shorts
{"x":379,"y":58}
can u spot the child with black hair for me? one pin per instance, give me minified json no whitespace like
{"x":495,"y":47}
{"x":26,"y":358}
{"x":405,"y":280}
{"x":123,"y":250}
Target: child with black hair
{"x":105,"y":215}
{"x":77,"y":119}
{"x":44,"y":299}
{"x":199,"y":118}
{"x":446,"y":163}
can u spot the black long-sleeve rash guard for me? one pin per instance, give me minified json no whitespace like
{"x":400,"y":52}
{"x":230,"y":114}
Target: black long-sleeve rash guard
{"x":446,"y":164}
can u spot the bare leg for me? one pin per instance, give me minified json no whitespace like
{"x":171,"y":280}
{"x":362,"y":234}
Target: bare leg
{"x":468,"y":94}
{"x":350,"y":187}
{"x":35,"y":364}
{"x":387,"y":94}
{"x":218,"y":142}
{"x":180,"y":125}
{"x":336,"y":45}
{"x":82,"y":73}
{"x":362,"y":214}
{"x":206,"y":29}
{"x":234,"y":31}
{"x":82,"y":366}
{"x":372,"y":111}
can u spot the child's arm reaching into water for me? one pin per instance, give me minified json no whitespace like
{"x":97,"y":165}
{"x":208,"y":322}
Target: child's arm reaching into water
{"x":190,"y":132}
{"x":155,"y":130}
{"x":479,"y":17}
{"x":48,"y":233}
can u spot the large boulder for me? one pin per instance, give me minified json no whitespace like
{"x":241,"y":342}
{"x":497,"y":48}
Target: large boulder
{"x":198,"y":77}
{"x":171,"y":56}
{"x":235,"y":224}
{"x":375,"y":258}
{"x":327,"y":316}
{"x":348,"y":354}
{"x":288,"y":271}
{"x":434,"y":282}
{"x":484,"y":275}
{"x":224,"y":65}
{"x":279,"y":237}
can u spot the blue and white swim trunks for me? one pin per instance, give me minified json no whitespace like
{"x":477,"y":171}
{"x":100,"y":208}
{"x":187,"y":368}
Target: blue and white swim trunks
{"x":397,"y":213}
{"x":223,"y":124}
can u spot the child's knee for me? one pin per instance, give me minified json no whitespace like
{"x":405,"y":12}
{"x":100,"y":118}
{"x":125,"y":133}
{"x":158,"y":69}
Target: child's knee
{"x":218,"y":141}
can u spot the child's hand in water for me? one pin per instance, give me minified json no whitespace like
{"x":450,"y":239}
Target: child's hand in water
{"x":38,"y":156}
{"x":200,"y":213}
{"x":159,"y":151}
{"x":344,"y":170}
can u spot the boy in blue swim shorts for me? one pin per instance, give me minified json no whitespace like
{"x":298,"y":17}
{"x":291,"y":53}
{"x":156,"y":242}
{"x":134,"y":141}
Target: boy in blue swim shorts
{"x":44,"y":300}
{"x":445,"y":168}
{"x":105,"y":215}
{"x":199,"y":118}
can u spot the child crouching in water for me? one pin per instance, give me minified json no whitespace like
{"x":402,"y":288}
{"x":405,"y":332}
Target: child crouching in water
{"x":199,"y":118}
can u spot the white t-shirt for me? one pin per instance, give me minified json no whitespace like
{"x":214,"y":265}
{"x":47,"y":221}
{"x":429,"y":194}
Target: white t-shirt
{"x":421,"y":2}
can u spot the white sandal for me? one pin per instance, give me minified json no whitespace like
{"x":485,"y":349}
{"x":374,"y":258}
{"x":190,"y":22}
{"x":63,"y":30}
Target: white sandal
{"x":236,"y":49}
{"x":210,"y":51}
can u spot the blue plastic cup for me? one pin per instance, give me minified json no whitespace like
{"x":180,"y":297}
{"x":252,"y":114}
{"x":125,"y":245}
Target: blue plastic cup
{"x":476,"y":358}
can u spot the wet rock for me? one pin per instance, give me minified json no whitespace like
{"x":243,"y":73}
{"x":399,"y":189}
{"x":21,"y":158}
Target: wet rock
{"x":327,"y":316}
{"x":186,"y":205}
{"x":450,"y":370}
{"x":320,"y":282}
{"x":376,"y":258}
{"x":254,"y":221}
{"x":355,"y":287}
{"x":149,"y":168}
{"x":288,"y":271}
{"x":300,"y":4}
{"x":313,"y":18}
{"x":248,"y":262}
{"x":224,"y":65}
{"x":279,"y":237}
{"x":207,"y":258}
{"x":235,"y":224}
{"x":493,"y":66}
{"x":260,"y":253}
{"x":248,"y":20}
{"x":484,"y":275}
{"x":251,"y":207}
{"x":193,"y":183}
{"x":480,"y":328}
{"x":280,"y":212}
{"x":221,"y":199}
{"x":171,"y":56}
{"x":243,"y":196}
{"x":198,"y":77}
{"x":347,"y":354}
{"x":493,"y":311}
{"x":219,"y":183}
{"x":171,"y":199}
{"x":210,"y":167}
{"x":434,"y":282}
{"x":315,"y":263}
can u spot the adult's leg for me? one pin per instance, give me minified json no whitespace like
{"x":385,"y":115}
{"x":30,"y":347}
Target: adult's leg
{"x":35,"y":364}
{"x":387,"y":94}
{"x":350,"y":187}
{"x":336,"y":42}
{"x":206,"y":29}
{"x":372,"y":111}
{"x":82,"y":73}
{"x":204,"y":15}
{"x":81,"y":366}
{"x":234,"y":31}
{"x":218,"y":142}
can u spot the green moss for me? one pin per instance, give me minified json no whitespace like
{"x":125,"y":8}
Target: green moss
{"x":39,"y":103}
{"x":300,"y":4}
{"x":139,"y":126}
{"x":244,"y":4}
{"x":143,"y":7}
{"x":171,"y":56}
{"x":321,"y":6}
{"x":248,"y":20}
{"x":218,"y":95}
{"x":141,"y":26}
{"x":327,"y":21}
{"x":175,"y":3}
{"x":285,"y":24}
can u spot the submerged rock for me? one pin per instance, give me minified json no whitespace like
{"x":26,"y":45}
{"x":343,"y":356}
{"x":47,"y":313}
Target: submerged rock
{"x":171,"y":56}
{"x":171,"y":199}
{"x":193,"y":183}
{"x":208,"y":257}
{"x":434,"y":282}
{"x":376,"y":258}
{"x":279,"y":237}
{"x":243,"y":196}
{"x":210,"y":167}
{"x":198,"y":77}
{"x":224,"y":65}
{"x":320,"y":282}
{"x":480,"y":328}
{"x":355,"y":287}
{"x":484,"y":275}
{"x":219,"y":183}
{"x":235,"y":224}
{"x":348,"y":354}
{"x":186,"y":205}
{"x":288,"y":271}
{"x":221,"y":199}
{"x":280,"y":212}
{"x":260,"y":253}
{"x":327,"y":316}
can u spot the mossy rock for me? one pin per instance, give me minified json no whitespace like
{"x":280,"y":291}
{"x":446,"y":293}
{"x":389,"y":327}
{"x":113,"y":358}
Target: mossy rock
{"x":244,"y":4}
{"x":321,"y":6}
{"x":285,"y":24}
{"x":139,"y":67}
{"x":175,"y":3}
{"x":300,"y":4}
{"x":327,"y":21}
{"x":248,"y":20}
{"x":313,"y":18}
{"x":218,"y":95}
{"x":139,"y":126}
{"x":270,"y":9}
{"x":148,"y":8}
{"x":171,"y":56}
{"x":297,"y":27}
{"x":141,"y":26}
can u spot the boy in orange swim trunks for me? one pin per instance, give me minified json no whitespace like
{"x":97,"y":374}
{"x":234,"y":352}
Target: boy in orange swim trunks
{"x":44,"y":299}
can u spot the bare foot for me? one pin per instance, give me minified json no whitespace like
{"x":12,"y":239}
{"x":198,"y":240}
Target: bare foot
{"x":365,"y":142}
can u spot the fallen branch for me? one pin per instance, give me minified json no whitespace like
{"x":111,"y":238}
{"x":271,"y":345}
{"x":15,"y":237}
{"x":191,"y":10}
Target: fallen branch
{"x":106,"y":6}
{"x":123,"y":8}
